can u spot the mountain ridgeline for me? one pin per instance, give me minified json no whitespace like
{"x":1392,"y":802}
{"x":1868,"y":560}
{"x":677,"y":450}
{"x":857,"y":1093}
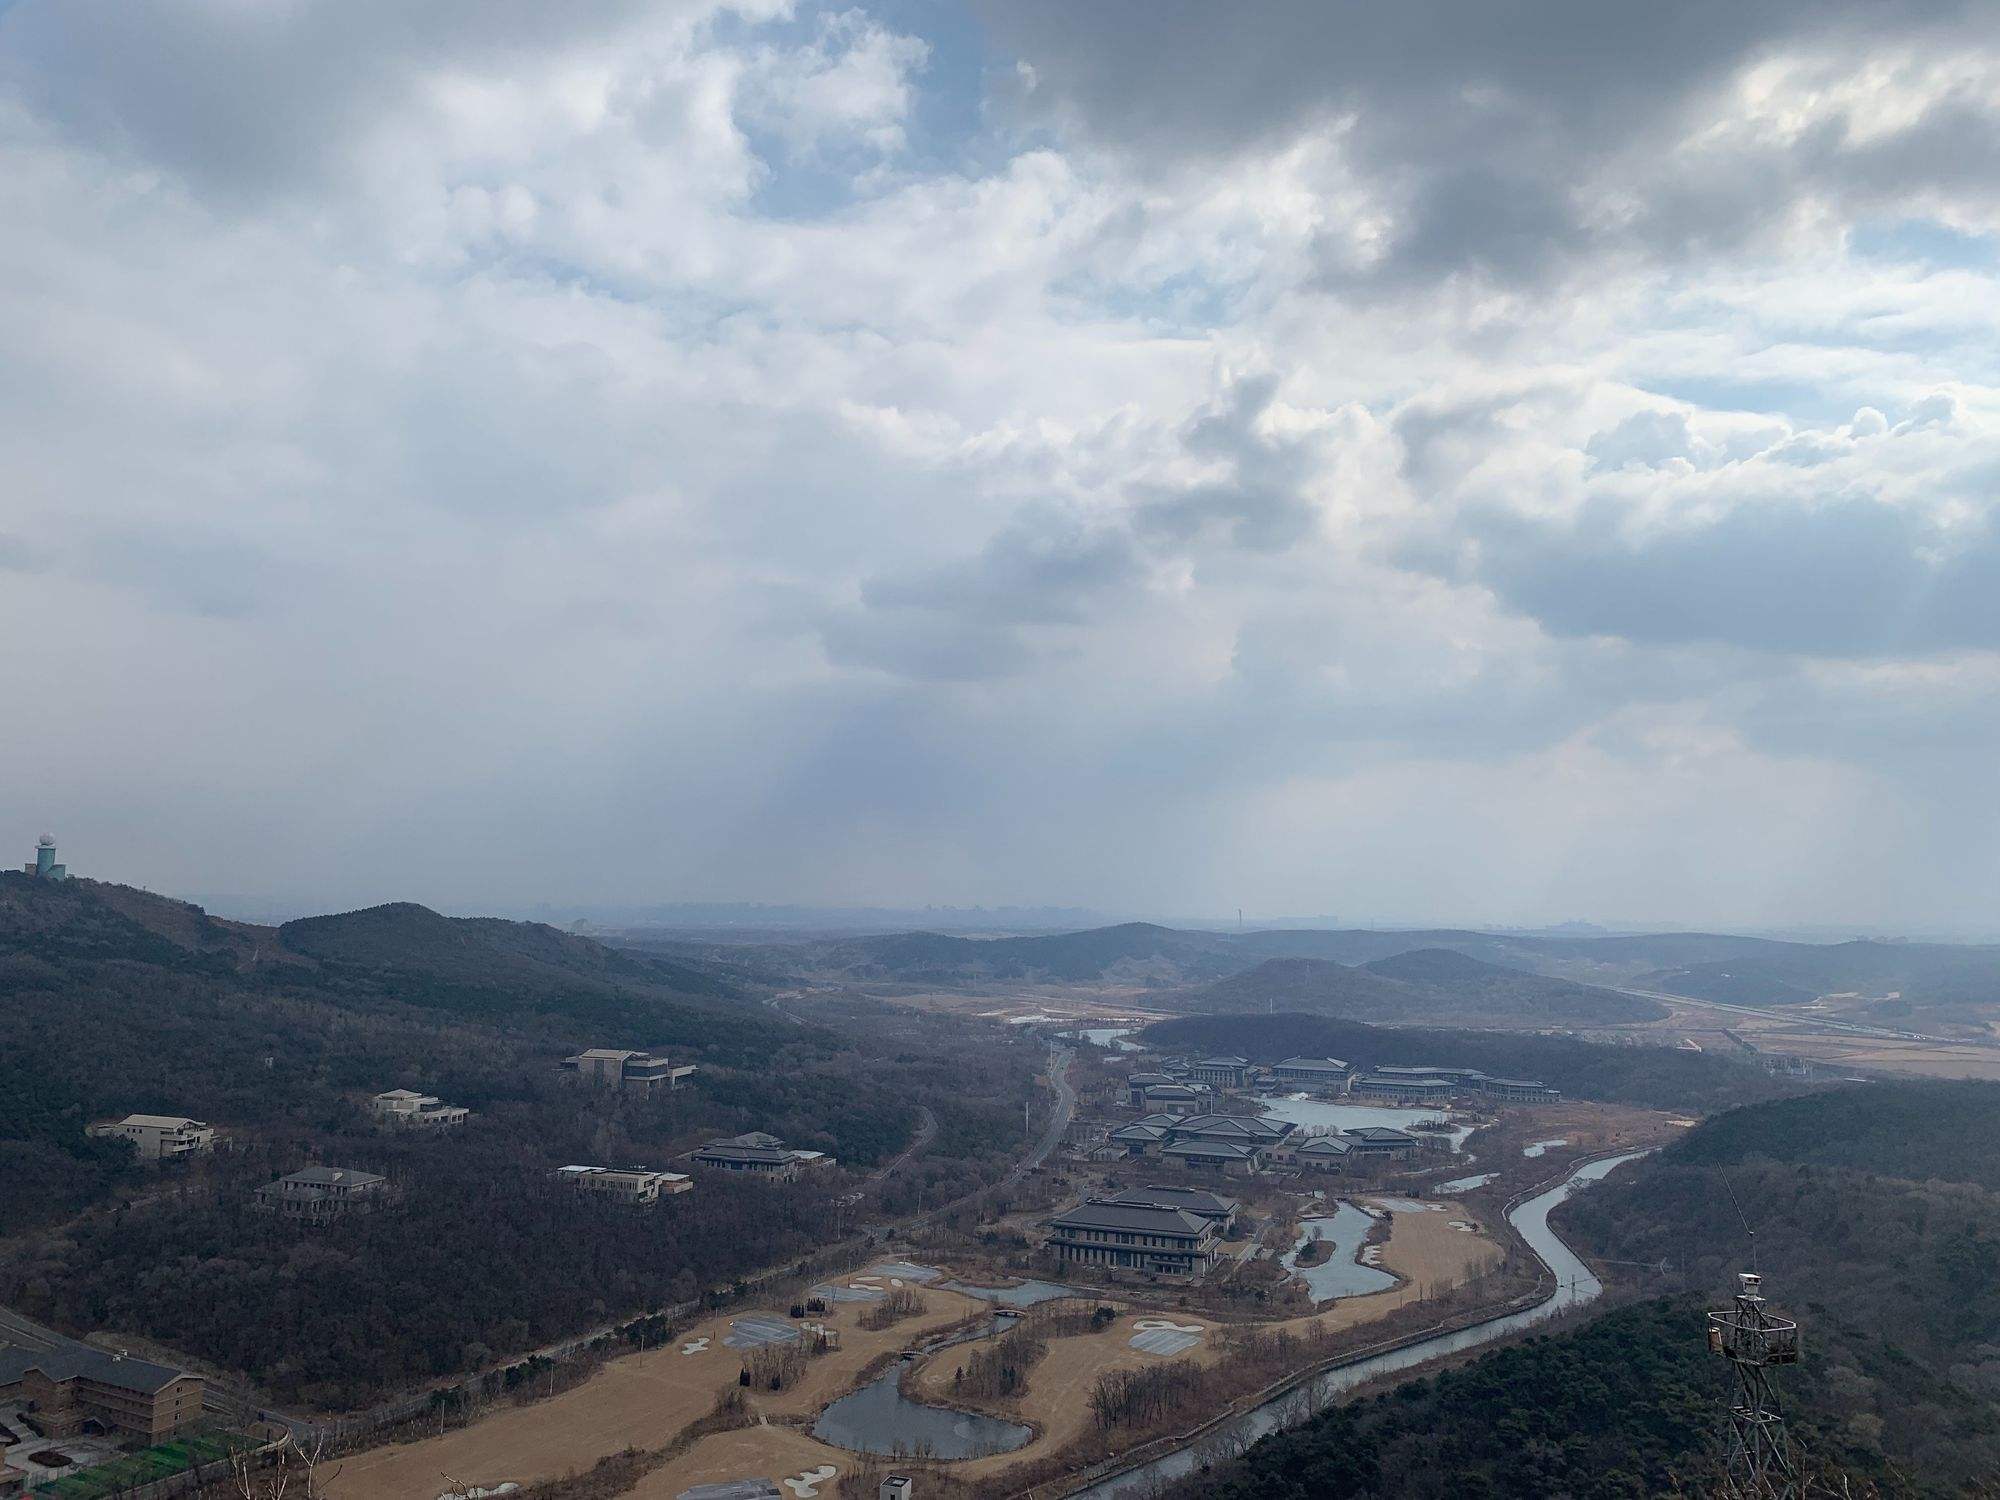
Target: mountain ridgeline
{"x":1895,"y":982}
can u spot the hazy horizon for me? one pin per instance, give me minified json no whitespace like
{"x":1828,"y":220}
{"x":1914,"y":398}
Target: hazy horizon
{"x":1479,"y":467}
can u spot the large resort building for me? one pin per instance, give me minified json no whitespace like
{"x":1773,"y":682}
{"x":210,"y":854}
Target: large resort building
{"x":1220,"y":1072}
{"x":1312,"y":1072}
{"x":158,"y":1137}
{"x":1125,"y":1236}
{"x":1422,"y":1085}
{"x":617,"y":1068}
{"x":406,"y":1109}
{"x":65,"y":1388}
{"x":760,"y":1154}
{"x":319,"y":1194}
{"x":633,"y":1185}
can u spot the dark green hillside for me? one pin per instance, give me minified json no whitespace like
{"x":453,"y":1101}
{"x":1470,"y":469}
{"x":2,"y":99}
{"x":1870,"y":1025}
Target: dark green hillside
{"x":1531,"y":998}
{"x":1135,"y":952}
{"x":1314,"y":984}
{"x":1874,"y":1227}
{"x":1434,"y":985}
{"x":1620,"y":1409}
{"x":415,"y":953}
{"x":1918,"y":1130}
{"x":1655,"y":1077}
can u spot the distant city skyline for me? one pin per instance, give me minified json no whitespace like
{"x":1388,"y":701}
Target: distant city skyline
{"x":1449,"y":461}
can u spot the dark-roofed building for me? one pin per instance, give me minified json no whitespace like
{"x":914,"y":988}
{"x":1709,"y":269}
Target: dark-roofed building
{"x":1243,"y":1130}
{"x":1525,"y":1089}
{"x":755,"y":1151}
{"x":623,"y":1068}
{"x":1232,"y":1157}
{"x":1380,"y":1140}
{"x":1414,"y":1088}
{"x":1220,"y":1072}
{"x":1199,"y":1201}
{"x":65,"y":1388}
{"x":1169,"y":1097}
{"x":1321,"y":1153}
{"x":1136,"y":1085}
{"x":1139,"y":1140}
{"x":1312,"y":1072}
{"x":1162,"y":1241}
{"x":318,"y":1194}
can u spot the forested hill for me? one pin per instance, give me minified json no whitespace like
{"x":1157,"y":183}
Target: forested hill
{"x":414,"y":952}
{"x":57,"y":932}
{"x":1655,"y":1077}
{"x":1428,"y":985}
{"x":118,"y":1001}
{"x":1876,"y":1226}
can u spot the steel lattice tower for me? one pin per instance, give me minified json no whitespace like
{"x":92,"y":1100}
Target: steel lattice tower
{"x":1752,"y":1340}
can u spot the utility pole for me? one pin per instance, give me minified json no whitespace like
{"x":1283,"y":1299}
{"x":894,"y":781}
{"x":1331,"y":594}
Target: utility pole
{"x":1752,"y":1340}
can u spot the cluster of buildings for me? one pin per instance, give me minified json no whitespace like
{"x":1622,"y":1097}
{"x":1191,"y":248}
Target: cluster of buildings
{"x":65,"y":1388}
{"x":1189,"y":1084}
{"x":1243,"y":1145}
{"x":1430,"y":1085}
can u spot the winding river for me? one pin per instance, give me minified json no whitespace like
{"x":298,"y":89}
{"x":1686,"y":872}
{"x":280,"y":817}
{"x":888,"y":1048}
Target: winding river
{"x":1574,"y":1285}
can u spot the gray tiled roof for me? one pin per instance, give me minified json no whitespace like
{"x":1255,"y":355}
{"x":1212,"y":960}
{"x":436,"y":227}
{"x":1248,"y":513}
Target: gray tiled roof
{"x":90,"y":1364}
{"x":1235,"y":1127}
{"x":1194,"y":1200}
{"x":328,"y":1176}
{"x":1136,"y":1220}
{"x":1228,"y":1150}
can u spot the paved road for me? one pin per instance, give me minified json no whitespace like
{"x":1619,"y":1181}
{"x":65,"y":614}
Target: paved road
{"x":927,"y":1129}
{"x":1793,"y":1018}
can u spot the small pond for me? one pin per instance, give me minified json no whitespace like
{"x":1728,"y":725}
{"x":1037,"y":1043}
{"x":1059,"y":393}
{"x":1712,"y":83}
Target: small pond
{"x":1110,"y":1036}
{"x":1465,"y":1184}
{"x":1541,"y":1146}
{"x":1340,"y":1274}
{"x":1027,"y":1294}
{"x":879,"y":1418}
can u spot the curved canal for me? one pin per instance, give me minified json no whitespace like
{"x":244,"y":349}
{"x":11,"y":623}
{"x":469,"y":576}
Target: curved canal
{"x":1575,"y":1285}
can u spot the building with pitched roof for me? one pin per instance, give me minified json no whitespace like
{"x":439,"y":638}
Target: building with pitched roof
{"x":406,"y":1109}
{"x":316,"y":1195}
{"x":622,"y":1068}
{"x":1408,"y":1088}
{"x":65,"y":1388}
{"x":1159,"y":1241}
{"x":1199,"y":1201}
{"x":1320,"y":1153}
{"x":1312,"y":1072}
{"x":1232,"y":1157}
{"x":757,"y":1152}
{"x":1220,"y":1072}
{"x":630,"y":1185}
{"x":158,"y":1137}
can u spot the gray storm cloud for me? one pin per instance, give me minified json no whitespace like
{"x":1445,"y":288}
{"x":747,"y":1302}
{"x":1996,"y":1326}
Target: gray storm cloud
{"x":1433,"y":462}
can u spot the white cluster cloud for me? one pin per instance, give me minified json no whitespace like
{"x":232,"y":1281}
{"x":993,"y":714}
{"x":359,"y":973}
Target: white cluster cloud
{"x":1409,"y":465}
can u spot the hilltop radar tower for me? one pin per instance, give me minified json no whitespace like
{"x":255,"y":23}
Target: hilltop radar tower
{"x":1752,"y":1340}
{"x":44,"y":866}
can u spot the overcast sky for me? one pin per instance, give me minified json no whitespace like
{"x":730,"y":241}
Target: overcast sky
{"x":1436,"y":460}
